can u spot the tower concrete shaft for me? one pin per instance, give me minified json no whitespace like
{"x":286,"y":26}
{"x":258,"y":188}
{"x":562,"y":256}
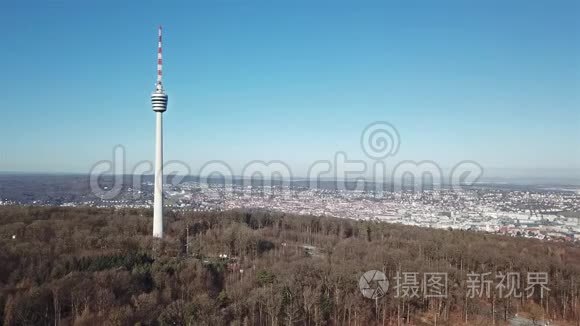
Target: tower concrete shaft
{"x":158,"y":191}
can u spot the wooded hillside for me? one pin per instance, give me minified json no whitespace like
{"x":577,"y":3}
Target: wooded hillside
{"x":83,"y":266}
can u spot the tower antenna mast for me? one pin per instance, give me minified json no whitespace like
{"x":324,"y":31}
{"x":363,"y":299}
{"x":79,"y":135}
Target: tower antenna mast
{"x":159,"y":85}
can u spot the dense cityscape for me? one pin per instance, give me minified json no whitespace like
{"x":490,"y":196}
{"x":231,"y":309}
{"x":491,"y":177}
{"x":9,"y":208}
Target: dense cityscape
{"x":538,"y":213}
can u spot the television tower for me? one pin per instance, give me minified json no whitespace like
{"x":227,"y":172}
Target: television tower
{"x":159,"y":102}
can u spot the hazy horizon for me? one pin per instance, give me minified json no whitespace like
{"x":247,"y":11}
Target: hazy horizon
{"x":510,"y":176}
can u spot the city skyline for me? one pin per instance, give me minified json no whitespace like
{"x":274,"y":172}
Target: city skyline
{"x":492,"y":83}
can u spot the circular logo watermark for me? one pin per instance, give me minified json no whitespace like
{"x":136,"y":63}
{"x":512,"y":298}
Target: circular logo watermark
{"x":380,"y":140}
{"x":373,"y":284}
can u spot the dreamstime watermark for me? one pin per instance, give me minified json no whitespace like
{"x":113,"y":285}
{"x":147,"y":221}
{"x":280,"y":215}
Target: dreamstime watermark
{"x":374,"y":284}
{"x":380,"y":142}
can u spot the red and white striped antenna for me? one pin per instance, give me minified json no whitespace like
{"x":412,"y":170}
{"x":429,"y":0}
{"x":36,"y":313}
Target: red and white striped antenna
{"x":159,"y":62}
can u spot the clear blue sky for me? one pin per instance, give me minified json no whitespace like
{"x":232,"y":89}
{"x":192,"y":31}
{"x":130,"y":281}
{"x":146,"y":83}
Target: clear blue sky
{"x":497,"y":82}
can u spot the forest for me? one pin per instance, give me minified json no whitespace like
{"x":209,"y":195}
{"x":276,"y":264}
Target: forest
{"x":98,"y":266}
